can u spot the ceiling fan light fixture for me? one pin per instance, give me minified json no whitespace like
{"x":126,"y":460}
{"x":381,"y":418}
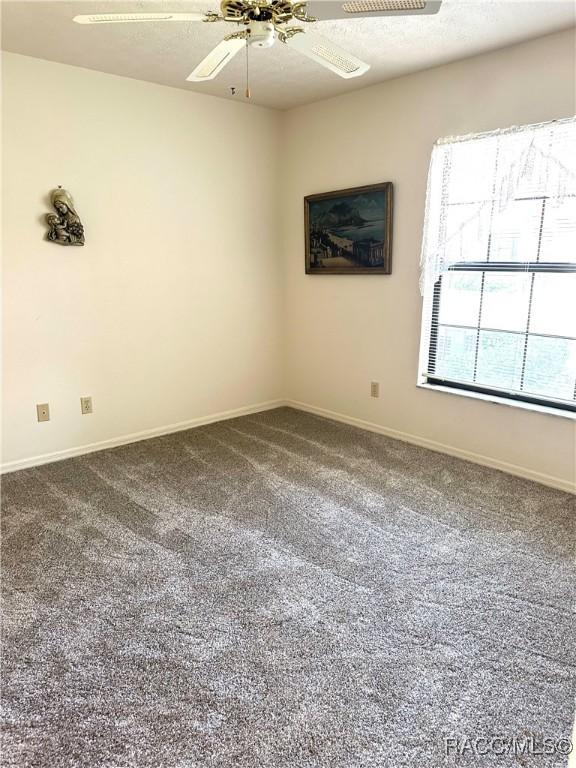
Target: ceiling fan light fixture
{"x":262,"y":22}
{"x":261,"y":34}
{"x":379,"y":6}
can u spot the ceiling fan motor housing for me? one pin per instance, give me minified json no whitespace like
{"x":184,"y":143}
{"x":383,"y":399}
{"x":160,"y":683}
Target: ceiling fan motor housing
{"x":261,"y":34}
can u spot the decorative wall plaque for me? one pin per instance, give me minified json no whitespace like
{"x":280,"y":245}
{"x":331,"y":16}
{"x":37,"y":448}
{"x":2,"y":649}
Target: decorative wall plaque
{"x":65,"y":227}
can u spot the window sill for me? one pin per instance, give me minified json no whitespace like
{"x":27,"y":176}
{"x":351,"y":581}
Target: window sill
{"x":570,"y":415}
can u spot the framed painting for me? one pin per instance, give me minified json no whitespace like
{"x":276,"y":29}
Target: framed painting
{"x":349,"y":232}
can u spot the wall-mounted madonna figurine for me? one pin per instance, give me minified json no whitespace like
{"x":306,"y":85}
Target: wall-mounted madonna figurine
{"x":65,"y":227}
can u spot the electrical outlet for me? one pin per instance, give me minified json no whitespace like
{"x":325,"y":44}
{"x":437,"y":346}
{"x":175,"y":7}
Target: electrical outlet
{"x":43,"y":412}
{"x":86,"y":405}
{"x":374,"y":389}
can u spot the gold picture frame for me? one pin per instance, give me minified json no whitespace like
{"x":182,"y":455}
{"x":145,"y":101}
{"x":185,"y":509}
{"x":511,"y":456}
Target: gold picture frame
{"x":349,"y":231}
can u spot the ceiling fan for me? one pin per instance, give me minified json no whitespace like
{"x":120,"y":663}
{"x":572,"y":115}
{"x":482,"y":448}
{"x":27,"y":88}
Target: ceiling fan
{"x":263,"y":22}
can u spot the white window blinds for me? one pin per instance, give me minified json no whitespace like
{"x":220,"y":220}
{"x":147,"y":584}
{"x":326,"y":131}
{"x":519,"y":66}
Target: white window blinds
{"x":499,"y":264}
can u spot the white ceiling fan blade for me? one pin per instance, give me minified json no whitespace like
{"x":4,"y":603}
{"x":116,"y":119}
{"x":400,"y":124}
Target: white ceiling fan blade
{"x":216,"y":60}
{"x":130,"y":18}
{"x":328,"y":54}
{"x":350,"y":9}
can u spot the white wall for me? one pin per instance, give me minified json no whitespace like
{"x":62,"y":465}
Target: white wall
{"x":171,"y":311}
{"x":343,"y":332}
{"x":177,"y":308}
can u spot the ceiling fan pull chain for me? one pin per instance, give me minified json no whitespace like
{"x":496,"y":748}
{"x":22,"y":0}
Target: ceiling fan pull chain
{"x":247,"y":91}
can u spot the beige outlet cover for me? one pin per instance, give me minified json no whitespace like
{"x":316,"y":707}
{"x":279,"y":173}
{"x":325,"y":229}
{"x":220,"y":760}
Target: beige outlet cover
{"x":86,"y":405}
{"x":43,"y":412}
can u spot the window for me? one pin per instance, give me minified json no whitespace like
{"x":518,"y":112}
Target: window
{"x":499,"y":265}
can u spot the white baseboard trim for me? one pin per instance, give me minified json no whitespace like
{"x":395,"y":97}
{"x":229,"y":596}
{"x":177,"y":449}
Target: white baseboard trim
{"x":476,"y":458}
{"x":433,"y":445}
{"x":114,"y":442}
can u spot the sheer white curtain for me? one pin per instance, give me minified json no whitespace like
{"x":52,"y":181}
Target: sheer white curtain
{"x":477,"y":184}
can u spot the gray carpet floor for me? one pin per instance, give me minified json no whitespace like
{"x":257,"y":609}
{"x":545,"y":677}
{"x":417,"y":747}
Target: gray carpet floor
{"x":282,"y":591}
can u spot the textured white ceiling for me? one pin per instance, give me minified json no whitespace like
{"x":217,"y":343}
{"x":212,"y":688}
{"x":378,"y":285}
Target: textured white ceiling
{"x":280,"y":77}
